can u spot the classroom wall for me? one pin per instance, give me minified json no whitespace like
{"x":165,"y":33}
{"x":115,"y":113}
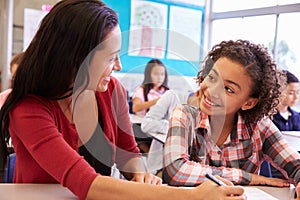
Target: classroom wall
{"x":136,"y":64}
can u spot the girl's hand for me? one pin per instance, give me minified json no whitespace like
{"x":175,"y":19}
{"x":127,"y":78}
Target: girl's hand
{"x":147,"y":178}
{"x":261,"y":180}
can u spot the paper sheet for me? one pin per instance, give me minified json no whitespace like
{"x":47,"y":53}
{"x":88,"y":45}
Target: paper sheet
{"x":257,"y":194}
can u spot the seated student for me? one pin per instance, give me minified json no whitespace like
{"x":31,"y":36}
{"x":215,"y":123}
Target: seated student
{"x":287,"y":119}
{"x":155,"y":84}
{"x":77,"y":46}
{"x":14,"y":63}
{"x":230,"y":134}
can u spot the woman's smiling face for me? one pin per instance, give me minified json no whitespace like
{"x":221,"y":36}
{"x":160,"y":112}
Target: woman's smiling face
{"x":226,"y":89}
{"x":105,"y":60}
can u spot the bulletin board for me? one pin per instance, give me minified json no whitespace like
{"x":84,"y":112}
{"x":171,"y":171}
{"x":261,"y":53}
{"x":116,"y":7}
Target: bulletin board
{"x":170,"y":30}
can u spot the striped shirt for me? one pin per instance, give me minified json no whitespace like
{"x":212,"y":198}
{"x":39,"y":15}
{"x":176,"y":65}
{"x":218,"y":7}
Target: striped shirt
{"x":190,"y":152}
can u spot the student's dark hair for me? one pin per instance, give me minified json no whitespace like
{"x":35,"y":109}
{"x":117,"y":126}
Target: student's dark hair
{"x":266,"y":84}
{"x":66,"y":36}
{"x":147,"y":83}
{"x":290,"y":78}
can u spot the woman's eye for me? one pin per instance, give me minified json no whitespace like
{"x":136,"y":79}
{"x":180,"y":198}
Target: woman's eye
{"x":210,"y":77}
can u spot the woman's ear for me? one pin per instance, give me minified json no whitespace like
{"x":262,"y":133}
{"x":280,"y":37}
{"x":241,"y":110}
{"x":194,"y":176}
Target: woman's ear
{"x":250,"y":103}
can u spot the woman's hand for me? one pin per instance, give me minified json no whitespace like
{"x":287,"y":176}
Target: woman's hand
{"x":147,"y":178}
{"x":211,"y":191}
{"x":261,"y":180}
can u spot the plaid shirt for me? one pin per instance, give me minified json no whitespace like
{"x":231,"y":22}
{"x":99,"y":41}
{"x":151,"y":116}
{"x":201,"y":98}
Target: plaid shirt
{"x":190,"y":153}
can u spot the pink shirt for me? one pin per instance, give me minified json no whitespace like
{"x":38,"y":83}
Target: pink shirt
{"x":139,"y":93}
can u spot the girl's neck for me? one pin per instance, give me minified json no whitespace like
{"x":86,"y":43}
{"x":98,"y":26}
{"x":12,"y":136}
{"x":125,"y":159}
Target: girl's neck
{"x":155,"y":88}
{"x":221,"y":127}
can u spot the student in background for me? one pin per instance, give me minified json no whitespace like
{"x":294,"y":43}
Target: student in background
{"x":38,"y":113}
{"x":155,"y":83}
{"x":287,"y":119}
{"x":230,"y":133}
{"x":14,"y":63}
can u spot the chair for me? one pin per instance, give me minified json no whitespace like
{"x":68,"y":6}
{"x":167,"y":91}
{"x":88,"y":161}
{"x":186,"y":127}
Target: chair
{"x":9,"y":168}
{"x":265,"y":169}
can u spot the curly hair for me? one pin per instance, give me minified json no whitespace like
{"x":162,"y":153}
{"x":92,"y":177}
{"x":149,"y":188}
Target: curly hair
{"x":266,"y":78}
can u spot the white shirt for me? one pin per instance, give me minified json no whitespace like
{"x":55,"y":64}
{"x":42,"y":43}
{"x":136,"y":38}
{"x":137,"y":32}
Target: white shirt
{"x":157,"y":120}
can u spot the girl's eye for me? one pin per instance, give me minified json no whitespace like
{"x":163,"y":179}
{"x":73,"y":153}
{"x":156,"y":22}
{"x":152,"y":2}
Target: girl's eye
{"x":228,"y":89}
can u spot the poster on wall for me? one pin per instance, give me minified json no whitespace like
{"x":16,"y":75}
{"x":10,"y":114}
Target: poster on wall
{"x":32,"y":19}
{"x":148,"y":25}
{"x":184,"y":34}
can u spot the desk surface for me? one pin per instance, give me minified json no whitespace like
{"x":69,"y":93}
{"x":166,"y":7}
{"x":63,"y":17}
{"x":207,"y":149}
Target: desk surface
{"x":293,"y":138}
{"x":278,"y":193}
{"x":57,"y":192}
{"x":135,"y":119}
{"x":35,"y":192}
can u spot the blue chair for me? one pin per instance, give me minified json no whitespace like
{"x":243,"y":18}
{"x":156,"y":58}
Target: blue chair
{"x":265,"y":169}
{"x":9,"y":168}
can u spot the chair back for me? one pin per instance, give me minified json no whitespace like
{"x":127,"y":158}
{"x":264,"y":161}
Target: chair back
{"x":9,"y":168}
{"x":265,"y":169}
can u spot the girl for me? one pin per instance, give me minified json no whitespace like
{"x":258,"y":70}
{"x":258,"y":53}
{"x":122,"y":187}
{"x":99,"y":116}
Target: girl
{"x":230,"y":134}
{"x":154,"y":85}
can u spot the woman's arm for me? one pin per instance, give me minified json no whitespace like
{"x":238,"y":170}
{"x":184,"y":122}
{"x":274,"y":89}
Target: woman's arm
{"x":110,"y":188}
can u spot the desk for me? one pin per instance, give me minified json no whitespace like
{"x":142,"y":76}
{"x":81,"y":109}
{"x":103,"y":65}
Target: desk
{"x":35,"y":192}
{"x":135,"y":119}
{"x":293,"y":138}
{"x":57,"y":192}
{"x":278,"y":193}
{"x":158,"y":136}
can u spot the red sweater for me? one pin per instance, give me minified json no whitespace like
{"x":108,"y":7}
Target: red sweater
{"x":46,"y":143}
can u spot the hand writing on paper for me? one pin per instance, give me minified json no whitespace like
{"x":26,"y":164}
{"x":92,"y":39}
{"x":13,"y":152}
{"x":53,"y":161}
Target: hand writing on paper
{"x":261,"y":180}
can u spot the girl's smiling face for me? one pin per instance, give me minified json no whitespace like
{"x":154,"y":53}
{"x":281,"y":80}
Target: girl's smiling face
{"x":226,"y":89}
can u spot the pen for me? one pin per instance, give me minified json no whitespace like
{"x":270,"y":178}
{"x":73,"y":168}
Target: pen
{"x":214,"y":179}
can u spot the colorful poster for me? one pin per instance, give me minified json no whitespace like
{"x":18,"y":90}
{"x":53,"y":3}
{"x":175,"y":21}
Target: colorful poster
{"x":148,"y":27}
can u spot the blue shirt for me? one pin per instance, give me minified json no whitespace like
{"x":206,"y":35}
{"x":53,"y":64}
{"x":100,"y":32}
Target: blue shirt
{"x":292,"y":124}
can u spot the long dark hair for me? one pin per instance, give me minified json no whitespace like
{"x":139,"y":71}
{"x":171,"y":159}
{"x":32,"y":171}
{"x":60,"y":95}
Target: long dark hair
{"x":147,"y":83}
{"x":67,"y":34}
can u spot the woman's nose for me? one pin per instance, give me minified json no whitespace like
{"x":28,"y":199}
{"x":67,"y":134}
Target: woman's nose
{"x":117,"y":65}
